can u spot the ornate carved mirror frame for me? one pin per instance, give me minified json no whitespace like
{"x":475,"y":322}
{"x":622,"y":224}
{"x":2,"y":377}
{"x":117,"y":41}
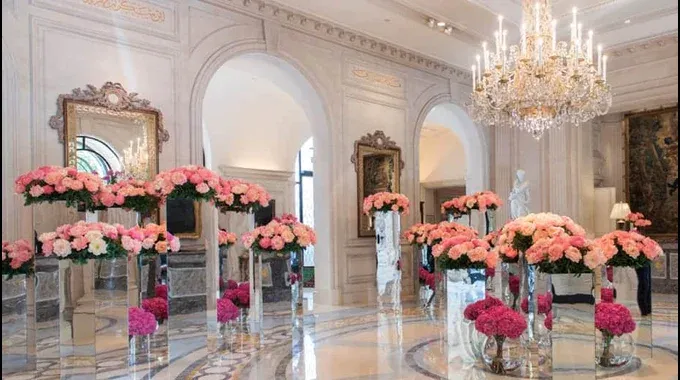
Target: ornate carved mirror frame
{"x":377,"y":149}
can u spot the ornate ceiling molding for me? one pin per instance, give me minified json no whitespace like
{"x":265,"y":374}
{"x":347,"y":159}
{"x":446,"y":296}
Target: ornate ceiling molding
{"x":331,"y":32}
{"x":646,"y":44}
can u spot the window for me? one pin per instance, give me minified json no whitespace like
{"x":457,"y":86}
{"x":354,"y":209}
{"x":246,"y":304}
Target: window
{"x":96,"y":156}
{"x":304,"y":190}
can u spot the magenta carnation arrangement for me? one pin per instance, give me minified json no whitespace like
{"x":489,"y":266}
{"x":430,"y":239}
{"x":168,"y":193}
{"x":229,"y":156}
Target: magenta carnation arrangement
{"x":161,"y":291}
{"x":613,"y":320}
{"x":386,"y":201}
{"x":140,"y":322}
{"x":17,"y":258}
{"x":475,"y":309}
{"x":500,"y":323}
{"x":513,"y":287}
{"x":607,"y":295}
{"x":226,"y":310}
{"x":157,"y":306}
{"x":548,"y":320}
{"x":426,"y":278}
{"x":239,"y":296}
{"x":544,"y":304}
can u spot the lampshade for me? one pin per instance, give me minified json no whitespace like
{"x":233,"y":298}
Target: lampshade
{"x":620,"y":211}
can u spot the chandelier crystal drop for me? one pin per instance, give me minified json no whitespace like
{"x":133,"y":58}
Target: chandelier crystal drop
{"x":136,"y":159}
{"x":542,"y":83}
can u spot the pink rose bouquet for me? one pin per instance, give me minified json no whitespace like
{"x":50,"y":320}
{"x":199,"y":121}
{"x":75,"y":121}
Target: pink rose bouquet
{"x":239,"y":296}
{"x":447,"y":230}
{"x":474,"y":310}
{"x":464,"y":252}
{"x":153,"y":239}
{"x":481,"y":200}
{"x":564,"y":253}
{"x":240,"y":196}
{"x":283,"y":235}
{"x":157,"y":306}
{"x":188,"y":182}
{"x":225,"y":239}
{"x":385,"y":201}
{"x":417,"y":233}
{"x":131,"y":194}
{"x":226,"y":310}
{"x":520,"y":234}
{"x":17,"y":258}
{"x":140,"y":322}
{"x":82,"y":241}
{"x":637,"y":219}
{"x":54,"y":183}
{"x":500,"y":323}
{"x":628,"y":249}
{"x":612,"y":319}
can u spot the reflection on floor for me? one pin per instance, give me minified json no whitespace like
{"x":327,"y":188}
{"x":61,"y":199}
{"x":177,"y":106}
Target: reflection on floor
{"x":350,"y":343}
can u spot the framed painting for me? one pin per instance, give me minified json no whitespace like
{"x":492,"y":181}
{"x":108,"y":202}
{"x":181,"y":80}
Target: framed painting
{"x":651,"y":147}
{"x":377,"y":162}
{"x":183,"y":218}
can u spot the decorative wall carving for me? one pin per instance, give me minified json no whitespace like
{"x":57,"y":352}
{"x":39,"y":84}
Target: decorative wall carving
{"x":381,"y":79}
{"x":129,"y":8}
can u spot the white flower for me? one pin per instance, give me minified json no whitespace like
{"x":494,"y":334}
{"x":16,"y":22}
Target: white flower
{"x":92,"y":235}
{"x":47,"y":236}
{"x":62,"y":248}
{"x":97,"y":246}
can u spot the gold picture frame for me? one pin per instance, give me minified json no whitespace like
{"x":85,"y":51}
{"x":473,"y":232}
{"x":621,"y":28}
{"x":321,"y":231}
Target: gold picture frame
{"x":377,"y":162}
{"x":651,"y":138}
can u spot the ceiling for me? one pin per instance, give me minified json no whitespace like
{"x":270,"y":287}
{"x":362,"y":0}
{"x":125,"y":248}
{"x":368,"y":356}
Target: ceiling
{"x":403,"y":22}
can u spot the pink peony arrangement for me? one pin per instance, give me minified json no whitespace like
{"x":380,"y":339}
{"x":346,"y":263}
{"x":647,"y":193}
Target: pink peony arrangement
{"x":474,"y":310}
{"x":82,"y":241}
{"x":607,"y":295}
{"x":240,"y":296}
{"x":161,"y":291}
{"x":612,"y":319}
{"x":417,"y":233}
{"x":140,"y":322}
{"x":157,"y":306}
{"x":282,"y":235}
{"x":226,"y":310}
{"x":152,"y":239}
{"x":131,"y":194}
{"x":426,"y":277}
{"x":628,"y":249}
{"x":637,"y":219}
{"x":464,"y":252}
{"x":446,"y":230}
{"x":564,"y":253}
{"x":385,"y":201}
{"x":225,"y":239}
{"x":17,"y":258}
{"x":544,"y":304}
{"x":482,"y":201}
{"x":188,"y":182}
{"x":54,"y":183}
{"x":520,"y":234}
{"x":500,"y":323}
{"x":236,"y":195}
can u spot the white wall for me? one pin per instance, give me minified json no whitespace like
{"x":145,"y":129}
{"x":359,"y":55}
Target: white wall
{"x":442,"y":157}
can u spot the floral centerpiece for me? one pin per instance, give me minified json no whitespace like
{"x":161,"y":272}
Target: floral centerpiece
{"x":520,"y":234}
{"x":613,"y":320}
{"x":628,"y":249}
{"x":607,"y":295}
{"x":283,"y":234}
{"x":417,"y":233}
{"x":637,"y":219}
{"x":82,"y":241}
{"x":500,"y":323}
{"x":464,"y":252}
{"x":55,"y":183}
{"x":446,"y":230}
{"x":386,"y":201}
{"x":154,"y":238}
{"x":564,"y":253}
{"x":239,"y":296}
{"x":157,"y":306}
{"x":189,"y":182}
{"x":225,"y":239}
{"x":236,"y":195}
{"x":131,"y":194}
{"x":140,"y":322}
{"x":17,"y":258}
{"x":226,"y":310}
{"x":482,"y":201}
{"x":475,"y":309}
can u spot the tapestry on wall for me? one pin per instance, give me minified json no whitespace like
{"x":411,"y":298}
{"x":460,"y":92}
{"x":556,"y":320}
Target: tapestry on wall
{"x":652,"y":169}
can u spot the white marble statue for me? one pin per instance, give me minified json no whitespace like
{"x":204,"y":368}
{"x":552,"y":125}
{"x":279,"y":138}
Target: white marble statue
{"x":519,"y":196}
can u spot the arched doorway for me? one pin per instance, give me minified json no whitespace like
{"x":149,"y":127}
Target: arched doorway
{"x":258,"y":110}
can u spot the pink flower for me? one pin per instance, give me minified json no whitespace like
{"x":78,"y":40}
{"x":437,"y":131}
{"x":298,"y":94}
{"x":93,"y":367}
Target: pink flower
{"x":157,"y":306}
{"x":613,"y":319}
{"x":178,"y":178}
{"x":36,"y":191}
{"x":231,"y":284}
{"x":202,"y":188}
{"x":548,"y":321}
{"x":513,"y":284}
{"x":140,"y":322}
{"x":161,"y":291}
{"x":474,"y":310}
{"x":607,"y":295}
{"x":544,"y":304}
{"x":226,"y":310}
{"x":501,"y":321}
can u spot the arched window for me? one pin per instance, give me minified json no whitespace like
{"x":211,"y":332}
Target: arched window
{"x":304,"y":190}
{"x":95,"y":155}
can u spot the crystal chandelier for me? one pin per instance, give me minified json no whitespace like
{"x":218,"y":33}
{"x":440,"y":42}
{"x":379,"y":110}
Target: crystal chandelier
{"x":542,"y":83}
{"x":136,"y":159}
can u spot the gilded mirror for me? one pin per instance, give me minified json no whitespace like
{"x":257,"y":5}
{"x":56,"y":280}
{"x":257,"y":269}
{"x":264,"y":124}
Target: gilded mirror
{"x":377,"y":162}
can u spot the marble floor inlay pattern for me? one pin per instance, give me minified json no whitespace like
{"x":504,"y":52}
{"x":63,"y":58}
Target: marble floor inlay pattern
{"x":345,"y":343}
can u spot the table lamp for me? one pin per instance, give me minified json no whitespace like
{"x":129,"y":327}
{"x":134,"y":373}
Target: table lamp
{"x":619,"y":213}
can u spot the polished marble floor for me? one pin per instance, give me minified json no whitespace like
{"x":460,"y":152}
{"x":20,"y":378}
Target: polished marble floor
{"x":342,"y":343}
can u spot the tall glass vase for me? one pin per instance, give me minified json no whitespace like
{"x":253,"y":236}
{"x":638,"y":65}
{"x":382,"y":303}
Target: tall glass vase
{"x":490,"y":221}
{"x":18,"y":324}
{"x":85,"y":298}
{"x":573,"y":313}
{"x":296,"y":288}
{"x":532,"y":283}
{"x":426,"y":292}
{"x":463,"y":287}
{"x":388,"y":273}
{"x":631,"y":287}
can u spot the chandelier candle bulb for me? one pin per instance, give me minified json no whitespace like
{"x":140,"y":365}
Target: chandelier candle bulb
{"x":486,"y":57}
{"x":604,"y":68}
{"x":523,"y":37}
{"x":589,"y":47}
{"x":538,"y":18}
{"x":554,"y":37}
{"x":498,"y":44}
{"x":504,"y":45}
{"x":474,"y":77}
{"x":599,"y":60}
{"x":479,"y":68}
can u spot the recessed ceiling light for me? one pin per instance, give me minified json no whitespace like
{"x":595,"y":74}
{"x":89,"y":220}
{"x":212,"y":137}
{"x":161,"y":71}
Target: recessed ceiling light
{"x":431,"y":22}
{"x":627,"y":21}
{"x":448,"y":30}
{"x":441,"y":23}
